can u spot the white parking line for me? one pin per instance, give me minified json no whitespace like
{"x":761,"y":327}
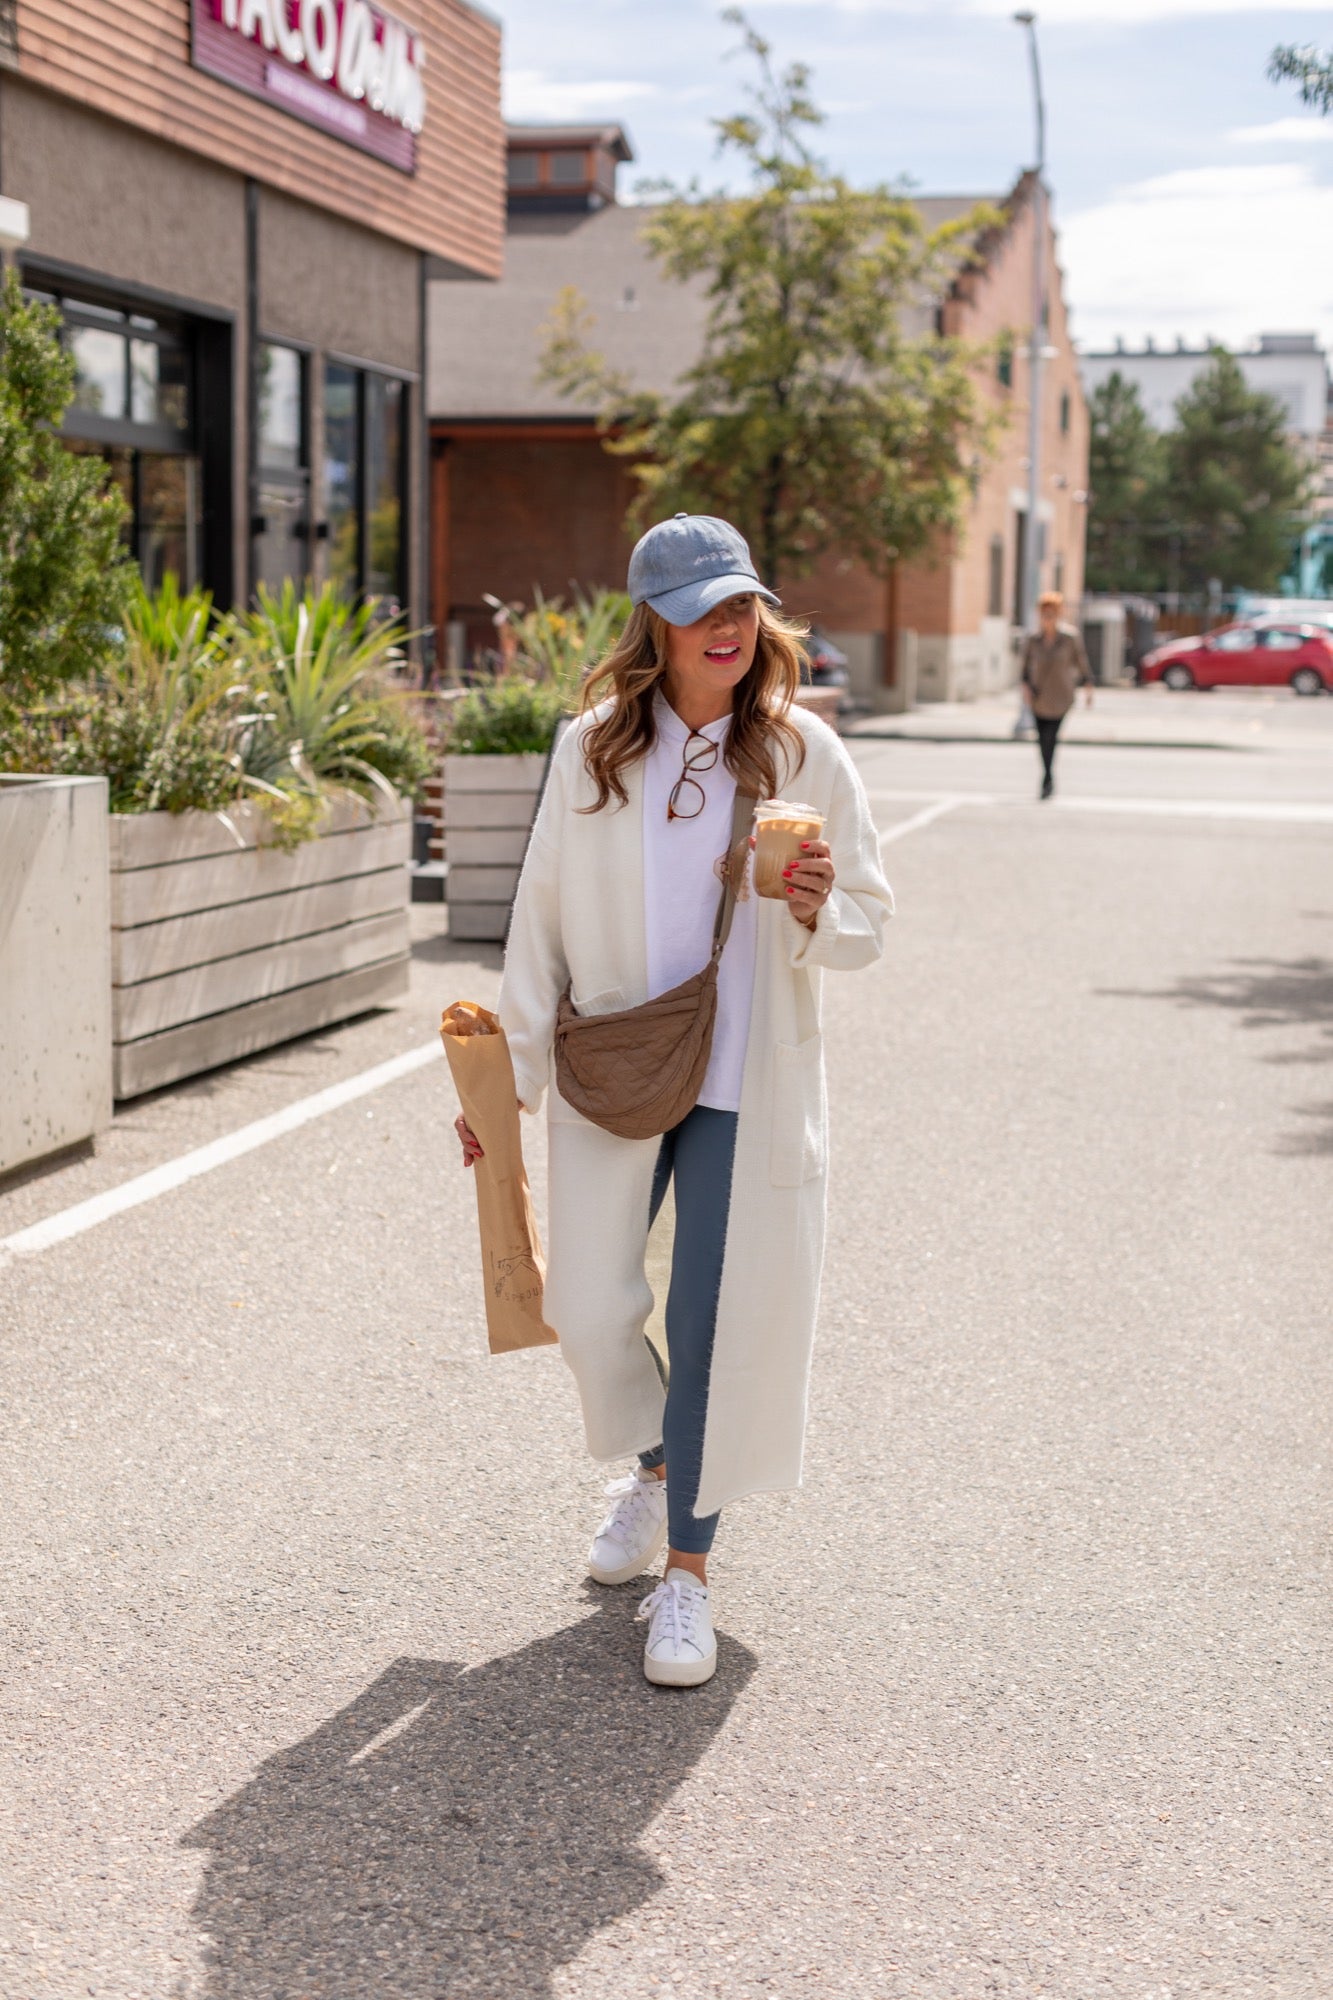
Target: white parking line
{"x":161,"y":1180}
{"x":927,"y":814}
{"x":1290,"y":812}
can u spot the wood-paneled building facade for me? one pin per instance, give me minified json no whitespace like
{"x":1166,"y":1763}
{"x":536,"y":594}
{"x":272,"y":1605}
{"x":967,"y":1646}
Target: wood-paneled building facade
{"x":238,"y":205}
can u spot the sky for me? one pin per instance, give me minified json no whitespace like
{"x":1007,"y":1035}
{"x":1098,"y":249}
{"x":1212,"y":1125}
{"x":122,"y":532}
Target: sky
{"x":1193,"y":198}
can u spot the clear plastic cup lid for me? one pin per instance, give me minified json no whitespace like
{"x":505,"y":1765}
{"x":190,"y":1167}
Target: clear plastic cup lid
{"x":785,"y":809}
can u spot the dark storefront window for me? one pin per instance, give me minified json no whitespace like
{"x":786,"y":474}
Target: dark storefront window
{"x":342,"y":474}
{"x":282,"y":475}
{"x":162,"y":492}
{"x":365,"y":436}
{"x":133,"y":407}
{"x":384,"y":486}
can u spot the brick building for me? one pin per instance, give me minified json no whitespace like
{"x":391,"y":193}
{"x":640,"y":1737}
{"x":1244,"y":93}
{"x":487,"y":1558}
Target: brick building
{"x":524,"y":495}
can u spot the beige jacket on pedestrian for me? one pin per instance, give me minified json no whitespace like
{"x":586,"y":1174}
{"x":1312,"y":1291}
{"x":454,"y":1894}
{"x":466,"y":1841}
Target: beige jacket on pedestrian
{"x":579,"y":919}
{"x":1055,"y":670}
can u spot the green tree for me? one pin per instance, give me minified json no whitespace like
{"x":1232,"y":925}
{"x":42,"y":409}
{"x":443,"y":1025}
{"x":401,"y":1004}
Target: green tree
{"x":1125,"y":466}
{"x":1309,"y":67}
{"x":63,"y":569}
{"x":817,"y":415}
{"x":1234,"y":488}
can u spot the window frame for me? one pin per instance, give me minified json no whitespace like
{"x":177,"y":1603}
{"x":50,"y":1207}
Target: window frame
{"x":87,"y":426}
{"x":302,"y":468}
{"x":410,"y":383}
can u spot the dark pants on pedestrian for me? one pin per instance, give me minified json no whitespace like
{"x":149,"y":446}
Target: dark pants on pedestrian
{"x":1048,"y":728}
{"x":697,"y":1154}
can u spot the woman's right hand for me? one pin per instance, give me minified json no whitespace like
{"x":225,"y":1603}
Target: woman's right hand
{"x":471,"y":1145}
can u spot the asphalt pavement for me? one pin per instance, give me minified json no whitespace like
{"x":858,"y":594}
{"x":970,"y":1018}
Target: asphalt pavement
{"x":1025,"y":1693}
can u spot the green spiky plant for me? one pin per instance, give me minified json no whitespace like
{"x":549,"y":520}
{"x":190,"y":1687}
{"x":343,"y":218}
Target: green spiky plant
{"x":319,"y":712}
{"x":559,"y":642}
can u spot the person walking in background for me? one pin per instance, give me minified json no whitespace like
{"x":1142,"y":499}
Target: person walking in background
{"x":1055,"y":666}
{"x":617,"y":904}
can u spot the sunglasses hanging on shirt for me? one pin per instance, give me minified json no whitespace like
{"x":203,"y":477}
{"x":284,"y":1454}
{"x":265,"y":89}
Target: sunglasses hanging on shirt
{"x":687,"y":798}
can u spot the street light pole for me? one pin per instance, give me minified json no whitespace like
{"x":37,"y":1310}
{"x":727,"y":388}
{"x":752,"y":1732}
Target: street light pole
{"x":1031,"y":557}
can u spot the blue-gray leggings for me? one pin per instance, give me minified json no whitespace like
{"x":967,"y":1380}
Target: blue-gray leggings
{"x":698,"y":1154}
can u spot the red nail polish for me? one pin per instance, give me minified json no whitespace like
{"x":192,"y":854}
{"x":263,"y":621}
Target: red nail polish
{"x":805,"y":843}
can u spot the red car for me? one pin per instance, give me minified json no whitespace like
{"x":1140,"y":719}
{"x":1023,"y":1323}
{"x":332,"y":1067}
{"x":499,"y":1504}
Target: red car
{"x":1245,"y":655}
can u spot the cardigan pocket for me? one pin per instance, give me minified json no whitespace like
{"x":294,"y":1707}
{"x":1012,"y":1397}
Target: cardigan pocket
{"x":799,"y":1146}
{"x":609,"y":1002}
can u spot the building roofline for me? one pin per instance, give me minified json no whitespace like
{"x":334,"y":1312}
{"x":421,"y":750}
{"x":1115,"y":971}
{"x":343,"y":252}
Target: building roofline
{"x":609,"y":133}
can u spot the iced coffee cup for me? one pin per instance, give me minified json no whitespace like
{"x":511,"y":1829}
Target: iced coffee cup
{"x":779,"y":829}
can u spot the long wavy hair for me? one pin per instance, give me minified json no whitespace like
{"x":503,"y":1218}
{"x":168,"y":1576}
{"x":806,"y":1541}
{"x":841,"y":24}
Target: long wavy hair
{"x":631,"y":674}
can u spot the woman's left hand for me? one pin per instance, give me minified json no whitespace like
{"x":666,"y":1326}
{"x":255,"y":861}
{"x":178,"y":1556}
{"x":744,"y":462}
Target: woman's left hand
{"x":810,"y":881}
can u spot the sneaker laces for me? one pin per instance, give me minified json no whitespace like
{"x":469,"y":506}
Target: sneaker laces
{"x":677,"y":1603}
{"x":631,"y":1497}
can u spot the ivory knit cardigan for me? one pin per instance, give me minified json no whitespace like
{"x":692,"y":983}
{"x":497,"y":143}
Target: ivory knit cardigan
{"x":579,"y":919}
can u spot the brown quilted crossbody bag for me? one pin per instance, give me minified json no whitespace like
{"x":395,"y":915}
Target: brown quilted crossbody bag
{"x":639,"y":1071}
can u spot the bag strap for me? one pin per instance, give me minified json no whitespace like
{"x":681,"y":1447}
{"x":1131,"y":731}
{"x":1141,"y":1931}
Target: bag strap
{"x":741,"y":817}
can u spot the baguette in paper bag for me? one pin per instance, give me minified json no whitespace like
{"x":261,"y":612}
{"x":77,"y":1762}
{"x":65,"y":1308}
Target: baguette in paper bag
{"x":513,"y":1268}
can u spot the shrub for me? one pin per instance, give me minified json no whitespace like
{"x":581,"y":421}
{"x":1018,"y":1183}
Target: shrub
{"x":63,"y":569}
{"x":560,"y":643}
{"x":120,"y":737}
{"x":507,"y":717}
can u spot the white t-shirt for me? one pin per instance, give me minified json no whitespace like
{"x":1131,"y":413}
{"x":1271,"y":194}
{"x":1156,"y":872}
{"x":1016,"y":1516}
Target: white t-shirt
{"x":680,"y":891}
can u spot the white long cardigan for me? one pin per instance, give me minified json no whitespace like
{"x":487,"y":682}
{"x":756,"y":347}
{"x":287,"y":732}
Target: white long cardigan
{"x":579,"y":918}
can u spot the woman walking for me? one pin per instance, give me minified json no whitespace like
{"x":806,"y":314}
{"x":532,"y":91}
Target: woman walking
{"x":692,"y":709}
{"x":1055,"y":667}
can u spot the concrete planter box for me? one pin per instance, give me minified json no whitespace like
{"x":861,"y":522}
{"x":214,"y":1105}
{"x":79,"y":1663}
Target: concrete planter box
{"x":489,"y":806}
{"x":55,"y":971}
{"x":222,"y":944}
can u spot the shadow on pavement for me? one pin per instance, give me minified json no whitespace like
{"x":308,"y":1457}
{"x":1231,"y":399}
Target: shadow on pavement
{"x":1271,"y":993}
{"x":455,"y":1833}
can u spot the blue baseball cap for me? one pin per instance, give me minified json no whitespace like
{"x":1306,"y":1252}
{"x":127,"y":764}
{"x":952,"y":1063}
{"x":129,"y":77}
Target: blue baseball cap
{"x":686,"y":567}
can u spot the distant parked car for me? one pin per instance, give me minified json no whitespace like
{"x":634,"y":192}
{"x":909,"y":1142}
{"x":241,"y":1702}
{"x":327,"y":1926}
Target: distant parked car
{"x":1250,"y":654}
{"x":826,"y":664}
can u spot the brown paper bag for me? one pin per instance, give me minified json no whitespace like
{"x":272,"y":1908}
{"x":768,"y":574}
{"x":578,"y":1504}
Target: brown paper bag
{"x":513,"y":1268}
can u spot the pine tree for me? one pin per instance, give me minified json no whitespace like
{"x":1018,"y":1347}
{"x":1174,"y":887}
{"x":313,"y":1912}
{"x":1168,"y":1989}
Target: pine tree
{"x":63,"y":568}
{"x":1125,"y":465}
{"x":1233,"y":483}
{"x":813,"y":418}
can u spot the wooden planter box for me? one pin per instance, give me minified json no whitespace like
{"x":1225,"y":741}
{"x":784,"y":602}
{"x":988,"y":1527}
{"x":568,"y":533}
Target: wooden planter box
{"x":489,"y":806}
{"x":222,"y":944}
{"x":55,"y":989}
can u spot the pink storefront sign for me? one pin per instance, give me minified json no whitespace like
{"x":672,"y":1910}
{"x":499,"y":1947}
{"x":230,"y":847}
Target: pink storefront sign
{"x":342,"y":65}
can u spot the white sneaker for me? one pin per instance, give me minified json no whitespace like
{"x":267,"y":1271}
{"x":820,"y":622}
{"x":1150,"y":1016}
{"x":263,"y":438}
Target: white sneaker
{"x":681,"y":1650}
{"x":633,"y":1532}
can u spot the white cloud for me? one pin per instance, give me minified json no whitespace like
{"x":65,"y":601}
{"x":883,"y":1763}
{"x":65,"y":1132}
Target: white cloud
{"x":1061,"y":13}
{"x":1217,"y":183}
{"x":1120,"y":13}
{"x":1284,"y":132}
{"x":1226,"y":251}
{"x":531,"y":97}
